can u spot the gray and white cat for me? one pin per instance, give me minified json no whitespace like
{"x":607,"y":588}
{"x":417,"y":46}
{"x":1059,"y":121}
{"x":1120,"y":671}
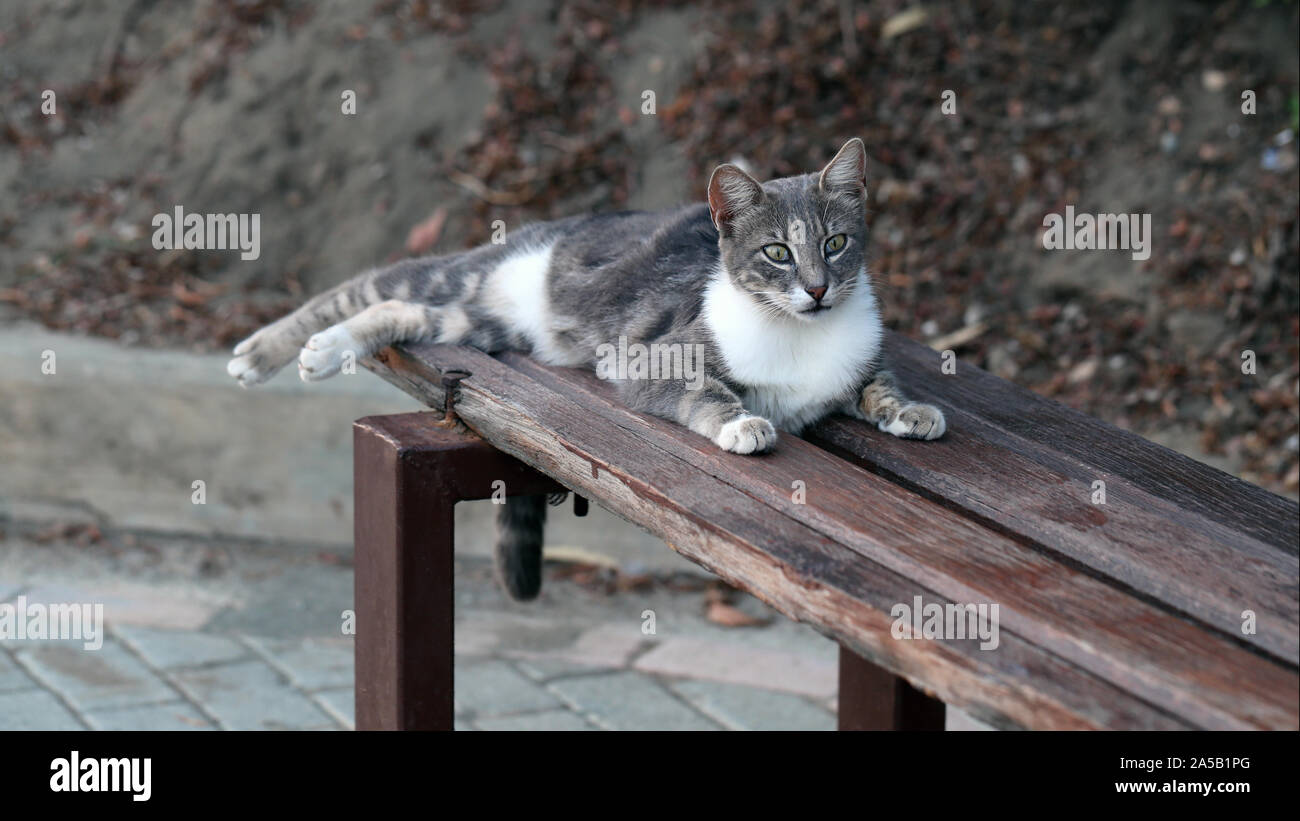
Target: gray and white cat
{"x":768,"y":281}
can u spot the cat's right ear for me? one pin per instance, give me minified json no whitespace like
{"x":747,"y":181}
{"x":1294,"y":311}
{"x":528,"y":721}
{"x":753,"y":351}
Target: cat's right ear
{"x":732,"y":192}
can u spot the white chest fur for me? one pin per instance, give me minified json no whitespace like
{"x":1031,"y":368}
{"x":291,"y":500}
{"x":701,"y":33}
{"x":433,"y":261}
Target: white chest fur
{"x":793,"y":371}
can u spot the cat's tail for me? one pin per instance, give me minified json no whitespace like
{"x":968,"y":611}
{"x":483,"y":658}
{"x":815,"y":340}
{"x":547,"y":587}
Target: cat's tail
{"x":517,"y":558}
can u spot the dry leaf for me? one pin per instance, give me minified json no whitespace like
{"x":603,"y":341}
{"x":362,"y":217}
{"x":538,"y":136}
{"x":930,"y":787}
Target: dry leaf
{"x":720,"y":612}
{"x":425,"y":235}
{"x":903,"y":22}
{"x":959,"y":337}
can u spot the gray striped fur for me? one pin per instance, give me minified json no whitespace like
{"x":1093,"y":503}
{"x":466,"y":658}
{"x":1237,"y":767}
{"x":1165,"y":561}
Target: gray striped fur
{"x":783,"y":343}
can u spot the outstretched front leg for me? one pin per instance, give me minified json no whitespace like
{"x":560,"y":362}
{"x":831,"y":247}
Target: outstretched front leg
{"x":710,"y":409}
{"x":881,"y":402}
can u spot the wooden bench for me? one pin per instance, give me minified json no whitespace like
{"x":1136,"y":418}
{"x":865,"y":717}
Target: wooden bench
{"x":1172,"y":604}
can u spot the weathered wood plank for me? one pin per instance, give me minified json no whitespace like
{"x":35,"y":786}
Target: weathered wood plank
{"x":1194,"y":564}
{"x":1186,"y":483}
{"x":1094,"y":624}
{"x":1134,"y":539}
{"x":649,"y":471}
{"x":798,"y":571}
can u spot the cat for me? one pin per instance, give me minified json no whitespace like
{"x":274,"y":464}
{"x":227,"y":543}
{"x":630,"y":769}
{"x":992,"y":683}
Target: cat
{"x":767,"y":281}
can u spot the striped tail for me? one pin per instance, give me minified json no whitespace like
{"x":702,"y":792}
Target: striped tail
{"x":517,"y":558}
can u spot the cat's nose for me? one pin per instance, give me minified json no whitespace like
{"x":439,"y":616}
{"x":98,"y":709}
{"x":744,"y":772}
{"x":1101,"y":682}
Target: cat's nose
{"x":816,"y":293}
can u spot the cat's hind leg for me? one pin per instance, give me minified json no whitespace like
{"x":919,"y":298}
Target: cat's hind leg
{"x":427,"y":281}
{"x":262,"y":355}
{"x":378,"y":326}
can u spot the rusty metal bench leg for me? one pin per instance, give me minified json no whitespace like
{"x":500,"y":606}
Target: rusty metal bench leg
{"x":872,"y":698}
{"x":408,"y":476}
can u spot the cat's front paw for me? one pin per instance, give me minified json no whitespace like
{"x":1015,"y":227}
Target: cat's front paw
{"x":324,"y":354}
{"x":916,"y":421}
{"x":259,"y":357}
{"x":747,"y":434}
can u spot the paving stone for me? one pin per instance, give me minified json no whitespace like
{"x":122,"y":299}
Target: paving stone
{"x":473,"y":639}
{"x":547,"y":721}
{"x":483,"y":633}
{"x":95,"y":679}
{"x":340,"y":705}
{"x":628,"y":701}
{"x":540,"y":669}
{"x":293,"y":602}
{"x":20,"y":644}
{"x":136,"y":603}
{"x":35,"y":710}
{"x":734,"y":664}
{"x":175,"y":716}
{"x":11,"y":675}
{"x":605,"y":646}
{"x":249,"y":695}
{"x":496,"y":688}
{"x":737,"y":707}
{"x":487,"y":633}
{"x":167,"y":649}
{"x":90,"y":631}
{"x":315,"y":664}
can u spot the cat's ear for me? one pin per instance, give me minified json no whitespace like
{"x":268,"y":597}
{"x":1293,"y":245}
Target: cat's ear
{"x":847,"y":173}
{"x":731,"y":193}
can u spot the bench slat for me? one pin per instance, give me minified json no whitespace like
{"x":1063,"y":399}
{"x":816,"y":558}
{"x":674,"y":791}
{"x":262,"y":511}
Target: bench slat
{"x":1102,"y":628}
{"x":715,"y":525}
{"x":602,"y":449}
{"x":1188,"y":484}
{"x":1194,"y":564}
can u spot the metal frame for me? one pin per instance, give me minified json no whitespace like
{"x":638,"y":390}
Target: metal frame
{"x":409,"y":472}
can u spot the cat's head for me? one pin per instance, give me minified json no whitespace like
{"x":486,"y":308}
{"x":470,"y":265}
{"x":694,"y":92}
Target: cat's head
{"x":795,"y":244}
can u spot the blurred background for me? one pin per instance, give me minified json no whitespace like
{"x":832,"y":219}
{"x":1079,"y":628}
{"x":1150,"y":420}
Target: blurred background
{"x":517,"y":110}
{"x":472,"y":112}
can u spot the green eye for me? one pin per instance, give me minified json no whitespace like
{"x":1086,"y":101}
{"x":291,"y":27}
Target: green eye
{"x":835,"y":243}
{"x":777,"y":252}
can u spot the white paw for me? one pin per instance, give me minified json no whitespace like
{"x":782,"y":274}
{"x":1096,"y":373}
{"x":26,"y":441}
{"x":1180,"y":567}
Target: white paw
{"x":257,"y":358}
{"x":243,"y":369}
{"x":917,"y":422}
{"x":747,"y":434}
{"x":326,"y":352}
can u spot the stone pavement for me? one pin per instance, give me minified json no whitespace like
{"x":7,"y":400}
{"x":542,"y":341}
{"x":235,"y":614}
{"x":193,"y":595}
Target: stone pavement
{"x":248,"y":636}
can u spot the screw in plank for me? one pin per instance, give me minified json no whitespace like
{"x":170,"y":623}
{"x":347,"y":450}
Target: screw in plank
{"x":451,"y":384}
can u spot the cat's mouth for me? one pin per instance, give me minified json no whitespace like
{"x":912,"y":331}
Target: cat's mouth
{"x":816,"y":309}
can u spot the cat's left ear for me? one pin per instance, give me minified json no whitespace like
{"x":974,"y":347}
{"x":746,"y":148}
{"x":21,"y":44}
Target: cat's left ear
{"x":847,"y":173}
